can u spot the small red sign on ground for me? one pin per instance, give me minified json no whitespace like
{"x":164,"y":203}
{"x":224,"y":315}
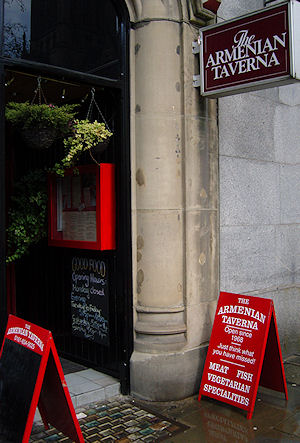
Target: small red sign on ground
{"x":244,"y":351}
{"x":31,"y":375}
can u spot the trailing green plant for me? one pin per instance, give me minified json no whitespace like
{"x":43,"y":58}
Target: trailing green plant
{"x":27,"y":217}
{"x":26,"y":115}
{"x":86,"y":135}
{"x":27,"y":223}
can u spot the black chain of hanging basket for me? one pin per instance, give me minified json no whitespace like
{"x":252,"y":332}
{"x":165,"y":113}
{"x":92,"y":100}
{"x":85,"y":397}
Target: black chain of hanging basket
{"x":102,"y":145}
{"x":39,"y":137}
{"x":39,"y":92}
{"x":89,"y":113}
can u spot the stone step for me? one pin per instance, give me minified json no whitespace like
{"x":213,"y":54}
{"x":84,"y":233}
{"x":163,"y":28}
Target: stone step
{"x":89,"y":386}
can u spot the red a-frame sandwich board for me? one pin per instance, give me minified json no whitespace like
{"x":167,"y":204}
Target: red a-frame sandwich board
{"x":31,"y":375}
{"x":244,"y":352}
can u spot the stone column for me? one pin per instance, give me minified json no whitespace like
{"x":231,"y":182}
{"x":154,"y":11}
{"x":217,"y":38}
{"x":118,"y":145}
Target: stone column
{"x":174,"y":176}
{"x":159,"y":303}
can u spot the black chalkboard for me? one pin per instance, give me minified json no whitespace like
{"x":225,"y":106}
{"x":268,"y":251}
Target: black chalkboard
{"x":90,"y":299}
{"x":19,"y":369}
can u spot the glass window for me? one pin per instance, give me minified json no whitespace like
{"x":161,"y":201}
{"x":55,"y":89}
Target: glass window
{"x":83,"y":35}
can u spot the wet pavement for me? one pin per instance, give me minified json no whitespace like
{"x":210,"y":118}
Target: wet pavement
{"x":121,"y":420}
{"x":126,"y":420}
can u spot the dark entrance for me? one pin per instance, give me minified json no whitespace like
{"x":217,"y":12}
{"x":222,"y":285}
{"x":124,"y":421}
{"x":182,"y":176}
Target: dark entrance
{"x":73,"y":46}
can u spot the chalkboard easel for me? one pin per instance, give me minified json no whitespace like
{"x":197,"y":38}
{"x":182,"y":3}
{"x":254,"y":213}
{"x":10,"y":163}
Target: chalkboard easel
{"x":31,"y":375}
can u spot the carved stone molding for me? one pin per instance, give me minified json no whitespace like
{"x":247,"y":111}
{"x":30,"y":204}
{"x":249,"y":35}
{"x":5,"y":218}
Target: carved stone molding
{"x":204,"y":11}
{"x":134,"y":9}
{"x":201,"y":12}
{"x":160,"y":329}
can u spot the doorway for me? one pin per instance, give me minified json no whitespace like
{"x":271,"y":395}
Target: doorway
{"x":72,"y":49}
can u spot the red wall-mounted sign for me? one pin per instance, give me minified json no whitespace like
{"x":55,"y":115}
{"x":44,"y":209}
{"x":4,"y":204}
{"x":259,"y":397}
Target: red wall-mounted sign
{"x":212,"y":5}
{"x":244,"y":351}
{"x":252,"y":52}
{"x":31,"y":375}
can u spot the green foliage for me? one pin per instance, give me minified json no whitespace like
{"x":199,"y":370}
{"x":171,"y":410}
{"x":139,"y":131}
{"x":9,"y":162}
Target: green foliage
{"x":28,"y":215}
{"x":27,"y":223}
{"x":86,"y":135}
{"x":26,"y":115}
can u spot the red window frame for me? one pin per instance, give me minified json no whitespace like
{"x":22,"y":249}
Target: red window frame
{"x":105,"y":209}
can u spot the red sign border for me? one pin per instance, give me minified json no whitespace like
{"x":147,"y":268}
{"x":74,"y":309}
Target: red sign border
{"x":278,"y":382}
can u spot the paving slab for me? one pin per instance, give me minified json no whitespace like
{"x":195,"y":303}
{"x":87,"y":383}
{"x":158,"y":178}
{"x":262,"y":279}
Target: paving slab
{"x":88,"y":386}
{"x":294,"y":359}
{"x":292,"y":423}
{"x":292,"y":372}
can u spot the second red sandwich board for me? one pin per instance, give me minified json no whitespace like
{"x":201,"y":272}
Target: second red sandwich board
{"x":31,"y":375}
{"x":244,"y":352}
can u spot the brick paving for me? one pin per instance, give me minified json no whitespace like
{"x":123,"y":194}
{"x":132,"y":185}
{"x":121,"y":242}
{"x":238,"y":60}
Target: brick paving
{"x":117,"y":421}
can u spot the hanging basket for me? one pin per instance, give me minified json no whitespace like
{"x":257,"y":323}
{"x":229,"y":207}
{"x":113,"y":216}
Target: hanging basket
{"x":39,"y":138}
{"x":40,"y":124}
{"x":100,"y":147}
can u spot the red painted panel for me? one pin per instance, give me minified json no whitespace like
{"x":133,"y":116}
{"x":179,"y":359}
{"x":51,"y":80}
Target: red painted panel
{"x":107,"y":206}
{"x":272,"y":373}
{"x":55,"y":402}
{"x":212,"y":5}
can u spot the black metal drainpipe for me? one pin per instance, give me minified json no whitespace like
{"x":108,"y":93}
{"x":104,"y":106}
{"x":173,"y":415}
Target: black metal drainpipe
{"x":3,"y":301}
{"x":127,"y":336}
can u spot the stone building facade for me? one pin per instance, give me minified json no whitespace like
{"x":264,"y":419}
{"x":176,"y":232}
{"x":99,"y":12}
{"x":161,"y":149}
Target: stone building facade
{"x":260,"y":195}
{"x":210,"y":194}
{"x":177,"y":193}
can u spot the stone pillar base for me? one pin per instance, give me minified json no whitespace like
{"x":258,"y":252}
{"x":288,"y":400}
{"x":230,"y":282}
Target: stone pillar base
{"x":166,"y":377}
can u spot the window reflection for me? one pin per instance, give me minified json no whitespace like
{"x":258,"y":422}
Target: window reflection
{"x":17,"y":28}
{"x":77,"y":34}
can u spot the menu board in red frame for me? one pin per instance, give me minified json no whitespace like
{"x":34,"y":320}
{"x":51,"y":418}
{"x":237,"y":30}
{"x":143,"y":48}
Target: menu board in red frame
{"x":244,"y":351}
{"x":82,"y":208}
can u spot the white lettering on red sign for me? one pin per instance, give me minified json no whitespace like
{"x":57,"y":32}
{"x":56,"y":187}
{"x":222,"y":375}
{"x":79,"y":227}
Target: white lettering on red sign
{"x":17,"y":331}
{"x":246,"y":54}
